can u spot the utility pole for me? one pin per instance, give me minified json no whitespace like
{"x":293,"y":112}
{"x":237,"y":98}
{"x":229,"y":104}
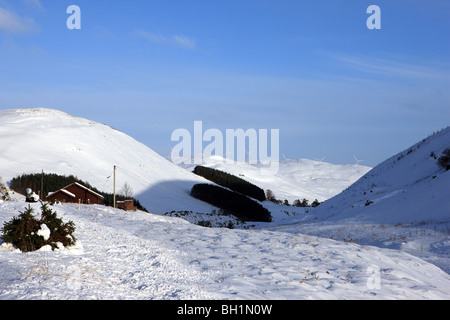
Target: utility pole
{"x":42,"y":185}
{"x":114,"y":200}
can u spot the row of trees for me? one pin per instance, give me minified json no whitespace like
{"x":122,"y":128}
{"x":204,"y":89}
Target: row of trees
{"x":270,"y":196}
{"x":232,"y":182}
{"x":54,"y":182}
{"x":232,"y":202}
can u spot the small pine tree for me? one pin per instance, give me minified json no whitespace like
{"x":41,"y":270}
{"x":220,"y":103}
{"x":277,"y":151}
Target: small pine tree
{"x":270,"y":196}
{"x":316,"y":203}
{"x":23,"y":231}
{"x":302,"y":204}
{"x":60,"y":231}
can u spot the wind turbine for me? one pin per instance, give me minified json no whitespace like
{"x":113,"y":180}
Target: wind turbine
{"x":321,"y":160}
{"x":227,"y":156}
{"x":248,"y":153}
{"x":357,"y":161}
{"x":169,"y":157}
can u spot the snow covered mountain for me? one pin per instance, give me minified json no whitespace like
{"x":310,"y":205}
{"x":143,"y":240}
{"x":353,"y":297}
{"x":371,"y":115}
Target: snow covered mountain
{"x":38,"y":139}
{"x":32,"y":140}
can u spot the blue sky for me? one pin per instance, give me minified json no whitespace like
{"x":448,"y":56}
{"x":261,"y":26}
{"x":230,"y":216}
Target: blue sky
{"x":311,"y":69}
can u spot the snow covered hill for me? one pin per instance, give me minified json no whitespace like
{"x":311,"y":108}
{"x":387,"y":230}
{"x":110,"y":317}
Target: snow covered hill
{"x":32,"y":140}
{"x":403,"y":203}
{"x":123,"y":255}
{"x":295,"y":179}
{"x":38,"y":139}
{"x":409,"y":187}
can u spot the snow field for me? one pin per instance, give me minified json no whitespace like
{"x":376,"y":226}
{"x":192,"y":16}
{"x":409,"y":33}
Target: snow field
{"x":123,"y":255}
{"x":108,"y":263}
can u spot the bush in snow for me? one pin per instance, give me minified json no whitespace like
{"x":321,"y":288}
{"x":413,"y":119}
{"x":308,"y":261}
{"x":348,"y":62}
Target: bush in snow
{"x":4,"y":194}
{"x":303,"y":203}
{"x":315,"y":204}
{"x":27,"y":233}
{"x":444,"y":159}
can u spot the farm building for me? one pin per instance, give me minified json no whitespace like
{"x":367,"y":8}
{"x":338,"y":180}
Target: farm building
{"x":127,"y":205}
{"x":76,"y":193}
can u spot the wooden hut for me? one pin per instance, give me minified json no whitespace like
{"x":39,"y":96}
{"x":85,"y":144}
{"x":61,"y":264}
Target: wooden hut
{"x":76,"y":193}
{"x":127,"y":205}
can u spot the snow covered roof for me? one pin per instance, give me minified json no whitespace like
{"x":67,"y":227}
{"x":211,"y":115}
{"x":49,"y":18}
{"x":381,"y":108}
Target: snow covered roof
{"x":85,"y":188}
{"x":70,"y":194}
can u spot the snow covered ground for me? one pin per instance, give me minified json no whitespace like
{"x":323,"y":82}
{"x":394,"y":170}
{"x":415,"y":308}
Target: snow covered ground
{"x":385,"y":237}
{"x":136,"y":255}
{"x":402,"y":204}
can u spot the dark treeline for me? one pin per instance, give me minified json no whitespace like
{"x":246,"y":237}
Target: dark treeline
{"x":54,"y":182}
{"x":237,"y":204}
{"x":231,"y":182}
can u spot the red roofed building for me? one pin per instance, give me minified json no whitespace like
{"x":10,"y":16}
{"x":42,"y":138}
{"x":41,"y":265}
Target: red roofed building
{"x":76,"y":193}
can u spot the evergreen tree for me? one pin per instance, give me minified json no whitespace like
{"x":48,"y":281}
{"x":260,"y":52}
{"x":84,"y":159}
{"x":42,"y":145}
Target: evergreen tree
{"x":23,"y":231}
{"x":237,"y":204}
{"x":444,"y":159}
{"x":270,"y":196}
{"x":315,"y":203}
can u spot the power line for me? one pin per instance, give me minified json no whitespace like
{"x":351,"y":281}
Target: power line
{"x":133,"y":174}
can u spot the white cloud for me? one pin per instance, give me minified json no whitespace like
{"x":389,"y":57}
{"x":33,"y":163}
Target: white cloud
{"x":11,"y":22}
{"x":33,"y":4}
{"x":168,"y":40}
{"x":184,"y":42}
{"x":394,"y":68}
{"x":153,"y":37}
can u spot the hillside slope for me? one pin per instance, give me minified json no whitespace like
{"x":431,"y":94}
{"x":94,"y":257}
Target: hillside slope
{"x":403,"y":203}
{"x":32,"y":140}
{"x":409,"y":187}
